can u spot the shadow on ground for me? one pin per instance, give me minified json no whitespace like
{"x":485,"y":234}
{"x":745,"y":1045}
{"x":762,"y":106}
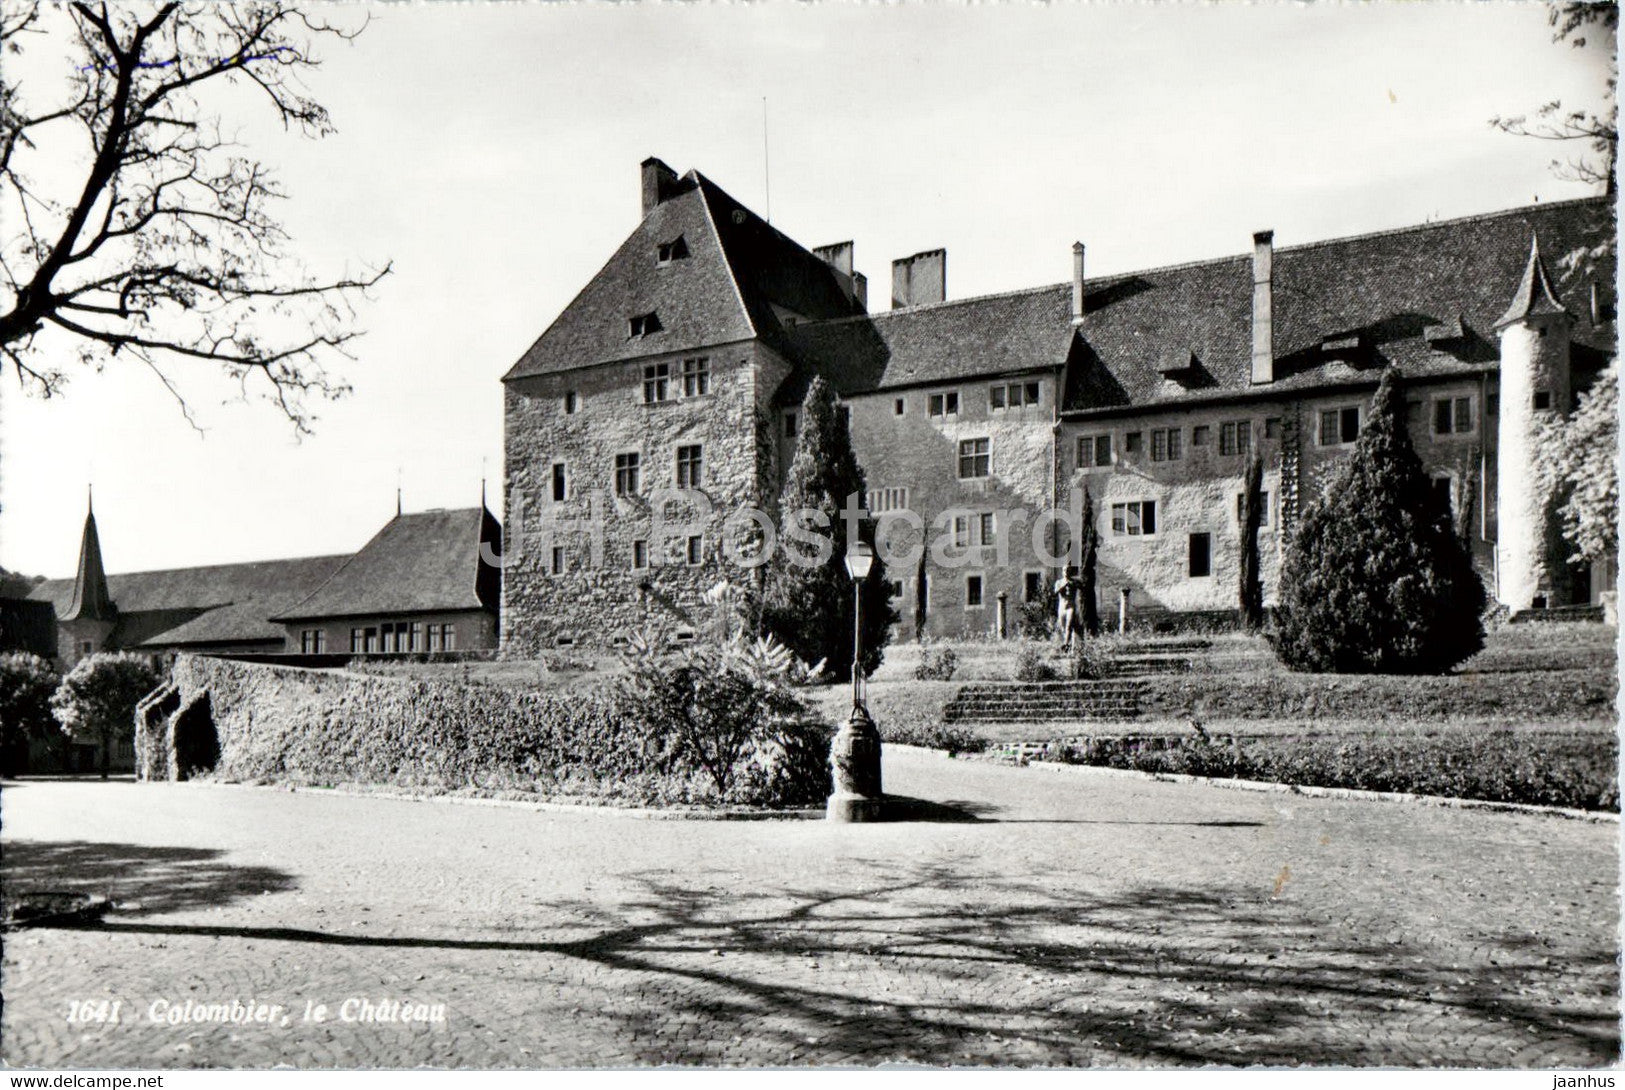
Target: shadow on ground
{"x":933,"y":964}
{"x":140,"y":879}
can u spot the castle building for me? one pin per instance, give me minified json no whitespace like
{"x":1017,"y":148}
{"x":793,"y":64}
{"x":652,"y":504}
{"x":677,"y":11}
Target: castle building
{"x":426,"y":583}
{"x":664,"y":399}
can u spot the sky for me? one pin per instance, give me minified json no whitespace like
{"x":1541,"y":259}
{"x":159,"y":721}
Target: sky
{"x":491,"y":151}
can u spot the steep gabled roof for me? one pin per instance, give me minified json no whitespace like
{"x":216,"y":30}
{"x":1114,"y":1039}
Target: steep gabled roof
{"x":939,"y":342}
{"x":1534,"y":295}
{"x":221,"y":603}
{"x":89,"y":600}
{"x":738,"y":270}
{"x":423,"y":562}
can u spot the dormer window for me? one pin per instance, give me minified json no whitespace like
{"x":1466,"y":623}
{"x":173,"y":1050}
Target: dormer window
{"x":675,"y":250}
{"x":642,"y":325}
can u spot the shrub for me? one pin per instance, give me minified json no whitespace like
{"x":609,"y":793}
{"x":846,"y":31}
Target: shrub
{"x":1572,"y":769}
{"x":809,"y":606}
{"x":1375,"y":579}
{"x":96,"y":700}
{"x":1031,"y":665}
{"x":936,"y":664}
{"x":731,"y":711}
{"x":1089,"y":661}
{"x":26,"y":684}
{"x":955,"y":740}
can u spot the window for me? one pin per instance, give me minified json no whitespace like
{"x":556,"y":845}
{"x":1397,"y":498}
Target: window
{"x":897,"y":407}
{"x":414,"y":636}
{"x":564,"y":641}
{"x":640,"y":555}
{"x":696,"y":377}
{"x":1166,"y":444}
{"x":1543,"y":399}
{"x":1137,"y":518}
{"x":1131,"y":442}
{"x":944,"y":404}
{"x":1012,"y":395}
{"x":1235,"y":436}
{"x":558,"y":560}
{"x":1094,"y":451}
{"x":559,"y":490}
{"x":961,"y":531}
{"x":675,"y":250}
{"x":369,"y":642}
{"x":386,"y":638}
{"x":689,"y":471}
{"x":1339,"y":426}
{"x":358,"y":641}
{"x":1272,"y":427}
{"x":894,"y":588}
{"x":656,"y":383}
{"x":86,"y":647}
{"x":973,"y":530}
{"x":313,"y":641}
{"x":974,"y":459}
{"x":1453,"y":416}
{"x":1264,"y":522}
{"x":696,"y":549}
{"x":1201,"y":555}
{"x":572,"y":401}
{"x":627,"y":473}
{"x":1032,"y":586}
{"x":790,"y":425}
{"x":1199,"y":435}
{"x":973,"y":592}
{"x":886,"y":499}
{"x":642,"y":325}
{"x":985,"y":533}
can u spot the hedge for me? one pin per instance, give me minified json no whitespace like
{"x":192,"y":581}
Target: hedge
{"x":297,"y":726}
{"x":1566,"y":694}
{"x":1576,"y":769}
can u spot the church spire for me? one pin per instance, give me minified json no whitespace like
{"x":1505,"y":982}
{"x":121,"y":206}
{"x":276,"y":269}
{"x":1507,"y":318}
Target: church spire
{"x":1535,"y":294}
{"x":91,"y":600}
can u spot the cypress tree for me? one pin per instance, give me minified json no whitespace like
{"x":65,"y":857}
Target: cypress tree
{"x":1376,"y":579}
{"x":1086,"y":567}
{"x":809,"y":609}
{"x":1252,"y":517}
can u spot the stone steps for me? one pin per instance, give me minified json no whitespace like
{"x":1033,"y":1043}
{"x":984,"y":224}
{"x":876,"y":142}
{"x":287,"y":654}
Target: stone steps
{"x":1044,"y":702}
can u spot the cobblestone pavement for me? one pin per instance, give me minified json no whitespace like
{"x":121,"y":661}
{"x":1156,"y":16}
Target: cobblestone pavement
{"x":1054,"y":919}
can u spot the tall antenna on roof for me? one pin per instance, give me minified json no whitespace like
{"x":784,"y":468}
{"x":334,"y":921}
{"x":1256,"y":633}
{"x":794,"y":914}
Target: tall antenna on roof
{"x":767,"y":183}
{"x":397,"y":491}
{"x":482,"y":482}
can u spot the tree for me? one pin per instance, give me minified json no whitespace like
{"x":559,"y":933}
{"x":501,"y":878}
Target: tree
{"x":134,"y":229}
{"x":26,"y":684}
{"x":1090,"y":553}
{"x":1252,"y":518}
{"x":808,"y":604}
{"x":1575,"y":458}
{"x":1376,"y":580}
{"x":1580,"y":24}
{"x":96,"y":700}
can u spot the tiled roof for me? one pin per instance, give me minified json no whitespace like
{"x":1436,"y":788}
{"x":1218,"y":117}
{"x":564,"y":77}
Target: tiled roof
{"x":90,"y":598}
{"x":1380,"y":295}
{"x":418,"y":563}
{"x":737,"y":270}
{"x":1383,"y":292}
{"x":939,"y":342}
{"x":222,"y":603}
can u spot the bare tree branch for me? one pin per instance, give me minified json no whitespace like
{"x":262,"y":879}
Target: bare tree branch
{"x":166,"y":244}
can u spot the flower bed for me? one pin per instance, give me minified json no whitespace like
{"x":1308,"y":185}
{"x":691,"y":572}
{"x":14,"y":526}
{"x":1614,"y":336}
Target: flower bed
{"x":1576,"y":769}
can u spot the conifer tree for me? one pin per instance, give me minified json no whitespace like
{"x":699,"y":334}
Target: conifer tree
{"x":809,"y":607}
{"x":1376,"y":580}
{"x":1252,"y":517}
{"x":1086,"y":567}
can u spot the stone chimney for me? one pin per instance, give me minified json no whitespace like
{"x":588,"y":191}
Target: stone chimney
{"x":838,"y":256}
{"x":920,"y":279}
{"x":1263,"y":307}
{"x":1077,"y":283}
{"x":860,"y":291}
{"x":658,"y":182}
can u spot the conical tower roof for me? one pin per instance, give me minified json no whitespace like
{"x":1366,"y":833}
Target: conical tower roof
{"x":1535,"y":294}
{"x":91,"y":601}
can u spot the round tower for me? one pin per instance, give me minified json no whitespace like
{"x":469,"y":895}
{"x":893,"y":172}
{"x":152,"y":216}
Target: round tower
{"x":1535,"y":389}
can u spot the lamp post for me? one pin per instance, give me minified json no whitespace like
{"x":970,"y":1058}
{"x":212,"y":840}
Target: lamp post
{"x":854,"y":754}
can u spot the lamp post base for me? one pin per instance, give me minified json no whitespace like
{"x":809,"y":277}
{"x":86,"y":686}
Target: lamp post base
{"x":854,"y":758}
{"x":852,"y":808}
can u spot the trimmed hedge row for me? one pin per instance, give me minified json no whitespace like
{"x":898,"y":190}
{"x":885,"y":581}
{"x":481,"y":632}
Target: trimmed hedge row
{"x":314,"y":727}
{"x":1572,"y":769}
{"x":1565,"y":694}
